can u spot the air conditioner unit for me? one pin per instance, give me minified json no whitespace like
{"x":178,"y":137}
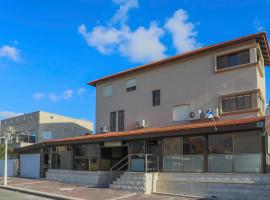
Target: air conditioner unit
{"x":103,"y":129}
{"x":141,"y":124}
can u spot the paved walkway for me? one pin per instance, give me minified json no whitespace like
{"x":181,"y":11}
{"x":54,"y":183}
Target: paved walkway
{"x":81,"y":192}
{"x":11,"y":195}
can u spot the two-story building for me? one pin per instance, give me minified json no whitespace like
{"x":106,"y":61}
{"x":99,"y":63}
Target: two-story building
{"x":198,"y":112}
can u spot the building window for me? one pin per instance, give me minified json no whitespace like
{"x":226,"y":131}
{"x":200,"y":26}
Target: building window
{"x":237,"y":103}
{"x":233,"y":59}
{"x":156,"y":97}
{"x":107,"y":91}
{"x":117,"y":121}
{"x":47,"y":135}
{"x":181,"y":113}
{"x":131,"y":85}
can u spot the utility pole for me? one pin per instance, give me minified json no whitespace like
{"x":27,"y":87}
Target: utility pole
{"x":7,"y":136}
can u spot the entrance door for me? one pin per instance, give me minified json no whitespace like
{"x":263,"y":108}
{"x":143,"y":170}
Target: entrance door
{"x":152,"y":155}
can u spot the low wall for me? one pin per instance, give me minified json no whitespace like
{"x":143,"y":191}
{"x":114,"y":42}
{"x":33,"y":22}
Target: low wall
{"x":217,"y":186}
{"x":12,"y":167}
{"x":89,"y":178}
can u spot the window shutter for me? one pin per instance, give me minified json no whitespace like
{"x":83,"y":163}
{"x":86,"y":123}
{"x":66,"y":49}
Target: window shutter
{"x":121,"y":120}
{"x":113,"y":121}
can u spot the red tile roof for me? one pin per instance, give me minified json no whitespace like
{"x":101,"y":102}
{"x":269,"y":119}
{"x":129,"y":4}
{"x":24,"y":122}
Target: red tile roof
{"x":158,"y":130}
{"x":260,"y":37}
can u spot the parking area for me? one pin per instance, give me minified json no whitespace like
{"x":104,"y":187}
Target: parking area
{"x":81,"y":192}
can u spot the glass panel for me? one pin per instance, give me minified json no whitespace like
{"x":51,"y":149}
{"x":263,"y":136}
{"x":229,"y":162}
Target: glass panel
{"x":193,"y":163}
{"x":137,"y":165}
{"x":173,"y":163}
{"x":247,"y":142}
{"x":240,"y":103}
{"x":247,"y":101}
{"x":81,"y":150}
{"x":121,"y":120}
{"x":222,"y":144}
{"x":172,"y":146}
{"x":193,"y":145}
{"x":232,"y":103}
{"x":243,"y":57}
{"x":222,"y":62}
{"x":107,"y":91}
{"x":225,"y":104}
{"x":113,"y":121}
{"x":232,"y":59}
{"x":248,"y":162}
{"x":220,"y":163}
{"x":137,"y":147}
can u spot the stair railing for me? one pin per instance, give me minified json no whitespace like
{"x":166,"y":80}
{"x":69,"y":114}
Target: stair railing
{"x":123,"y":164}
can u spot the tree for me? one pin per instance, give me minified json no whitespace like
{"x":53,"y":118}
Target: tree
{"x":2,"y":151}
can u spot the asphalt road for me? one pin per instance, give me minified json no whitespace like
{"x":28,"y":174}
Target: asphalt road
{"x":11,"y":195}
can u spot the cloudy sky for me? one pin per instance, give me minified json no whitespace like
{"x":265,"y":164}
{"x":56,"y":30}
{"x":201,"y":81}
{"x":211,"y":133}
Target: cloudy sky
{"x":50,"y":49}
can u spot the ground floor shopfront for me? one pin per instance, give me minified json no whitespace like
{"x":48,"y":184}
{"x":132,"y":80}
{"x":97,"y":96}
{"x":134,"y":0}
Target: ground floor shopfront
{"x":239,"y":146}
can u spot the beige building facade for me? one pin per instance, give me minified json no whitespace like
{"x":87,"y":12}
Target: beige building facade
{"x":40,"y":126}
{"x":216,"y":80}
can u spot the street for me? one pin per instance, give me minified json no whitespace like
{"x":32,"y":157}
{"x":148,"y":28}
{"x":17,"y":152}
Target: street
{"x":8,"y":195}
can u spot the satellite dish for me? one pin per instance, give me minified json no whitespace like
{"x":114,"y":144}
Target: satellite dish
{"x":191,"y":115}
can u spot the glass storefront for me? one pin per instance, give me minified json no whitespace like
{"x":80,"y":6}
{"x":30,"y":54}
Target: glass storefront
{"x":224,"y":153}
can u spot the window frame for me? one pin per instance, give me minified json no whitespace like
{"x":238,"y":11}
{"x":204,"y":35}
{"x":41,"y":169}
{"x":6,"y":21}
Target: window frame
{"x":253,"y":106}
{"x":117,"y":124}
{"x":104,"y":91}
{"x":156,"y":97}
{"x":232,"y":54}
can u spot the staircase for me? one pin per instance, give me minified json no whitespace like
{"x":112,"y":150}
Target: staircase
{"x":139,"y":182}
{"x":216,"y":186}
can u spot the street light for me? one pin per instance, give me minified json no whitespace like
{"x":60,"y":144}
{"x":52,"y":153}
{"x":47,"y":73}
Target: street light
{"x":8,"y":134}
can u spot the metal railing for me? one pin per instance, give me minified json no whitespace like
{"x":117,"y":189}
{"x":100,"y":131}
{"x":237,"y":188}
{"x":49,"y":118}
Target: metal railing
{"x":124,"y":163}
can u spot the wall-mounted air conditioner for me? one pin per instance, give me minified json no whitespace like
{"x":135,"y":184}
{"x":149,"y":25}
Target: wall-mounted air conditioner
{"x":141,"y":124}
{"x":103,"y":129}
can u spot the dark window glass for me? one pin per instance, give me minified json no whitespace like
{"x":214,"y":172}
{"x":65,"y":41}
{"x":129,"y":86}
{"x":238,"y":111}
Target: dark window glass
{"x":81,"y":151}
{"x":220,"y":144}
{"x":247,"y":142}
{"x":131,"y":88}
{"x":113,"y":121}
{"x":172,"y":146}
{"x":247,"y":101}
{"x":233,"y":59}
{"x":121,"y":120}
{"x":81,"y":164}
{"x":193,"y":145}
{"x":235,"y":103}
{"x":137,"y":147}
{"x":156,"y":97}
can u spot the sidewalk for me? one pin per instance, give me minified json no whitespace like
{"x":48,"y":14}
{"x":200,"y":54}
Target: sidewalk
{"x":65,"y":191}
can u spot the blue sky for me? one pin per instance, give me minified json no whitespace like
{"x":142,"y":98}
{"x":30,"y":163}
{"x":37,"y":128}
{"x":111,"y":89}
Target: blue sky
{"x":50,"y":49}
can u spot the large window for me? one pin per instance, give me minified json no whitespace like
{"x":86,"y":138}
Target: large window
{"x":81,"y":157}
{"x":237,"y":102}
{"x":117,"y":121}
{"x":220,"y":149}
{"x":233,"y":59}
{"x":156,"y":97}
{"x":172,"y":154}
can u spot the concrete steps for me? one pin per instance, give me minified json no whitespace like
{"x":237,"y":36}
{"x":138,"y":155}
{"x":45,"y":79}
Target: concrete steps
{"x":217,"y":186}
{"x":134,"y":182}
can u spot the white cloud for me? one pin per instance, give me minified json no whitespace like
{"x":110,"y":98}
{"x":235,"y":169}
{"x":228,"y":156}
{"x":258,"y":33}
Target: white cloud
{"x":80,"y":91}
{"x":67,"y":94}
{"x":54,"y":97}
{"x":8,"y":114}
{"x":121,"y":14}
{"x":183,"y":32}
{"x":103,"y":38}
{"x":38,"y":96}
{"x":143,"y":45}
{"x":258,"y":25}
{"x":10,"y":52}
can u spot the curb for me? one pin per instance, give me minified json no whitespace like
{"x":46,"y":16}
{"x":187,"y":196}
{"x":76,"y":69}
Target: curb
{"x":40,"y":194}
